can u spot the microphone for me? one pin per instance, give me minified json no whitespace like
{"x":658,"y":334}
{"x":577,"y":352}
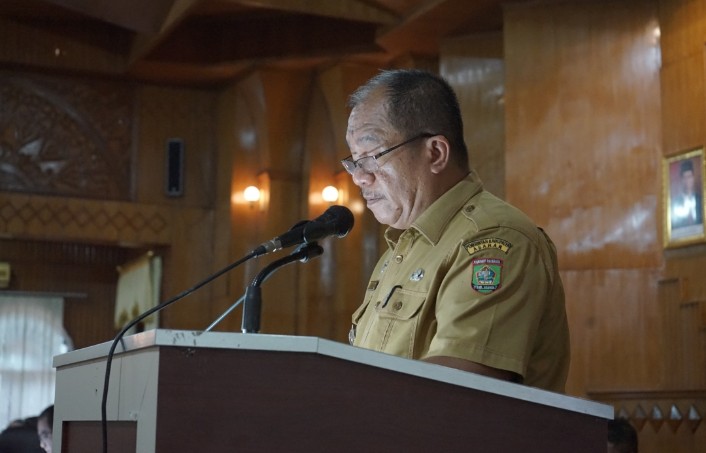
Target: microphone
{"x":253,"y":294}
{"x":336,"y":221}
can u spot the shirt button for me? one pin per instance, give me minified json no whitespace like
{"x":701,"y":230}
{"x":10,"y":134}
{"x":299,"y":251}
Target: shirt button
{"x":377,"y":304}
{"x":469,"y":208}
{"x":398,"y":259}
{"x":397,"y":306}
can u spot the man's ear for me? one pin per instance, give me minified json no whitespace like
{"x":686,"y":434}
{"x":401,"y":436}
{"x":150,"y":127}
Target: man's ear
{"x":439,"y":151}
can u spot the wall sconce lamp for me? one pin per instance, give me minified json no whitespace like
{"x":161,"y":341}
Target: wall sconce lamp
{"x":329,"y":194}
{"x":255,"y":195}
{"x":251,"y":194}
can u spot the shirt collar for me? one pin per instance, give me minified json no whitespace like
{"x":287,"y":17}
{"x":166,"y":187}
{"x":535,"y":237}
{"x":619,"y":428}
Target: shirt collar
{"x":432,"y":222}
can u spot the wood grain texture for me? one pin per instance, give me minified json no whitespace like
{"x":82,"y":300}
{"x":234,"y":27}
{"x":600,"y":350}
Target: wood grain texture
{"x":583,"y":149}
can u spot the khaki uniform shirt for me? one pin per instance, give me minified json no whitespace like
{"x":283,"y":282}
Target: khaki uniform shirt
{"x":473,"y":278}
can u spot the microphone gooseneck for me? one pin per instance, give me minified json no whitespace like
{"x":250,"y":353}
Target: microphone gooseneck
{"x":252,"y":306}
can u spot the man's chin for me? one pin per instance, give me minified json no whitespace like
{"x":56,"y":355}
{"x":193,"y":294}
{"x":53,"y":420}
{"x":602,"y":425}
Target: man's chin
{"x":377,"y":209}
{"x":382,"y":213}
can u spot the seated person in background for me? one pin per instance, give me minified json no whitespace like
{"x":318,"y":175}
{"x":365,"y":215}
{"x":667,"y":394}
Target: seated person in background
{"x":468,"y":281}
{"x":622,"y":437}
{"x":20,"y":437}
{"x":45,"y":427}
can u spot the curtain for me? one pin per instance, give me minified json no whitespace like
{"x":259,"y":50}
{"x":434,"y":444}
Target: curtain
{"x":31,"y":334}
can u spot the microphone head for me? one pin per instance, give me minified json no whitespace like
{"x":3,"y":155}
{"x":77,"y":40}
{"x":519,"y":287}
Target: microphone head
{"x":336,"y":221}
{"x":340,"y":218}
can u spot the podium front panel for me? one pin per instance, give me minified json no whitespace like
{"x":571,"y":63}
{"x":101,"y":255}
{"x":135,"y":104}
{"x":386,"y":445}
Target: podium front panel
{"x":175,"y":391}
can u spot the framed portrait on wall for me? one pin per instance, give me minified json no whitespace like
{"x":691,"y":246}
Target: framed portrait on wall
{"x":683,"y":198}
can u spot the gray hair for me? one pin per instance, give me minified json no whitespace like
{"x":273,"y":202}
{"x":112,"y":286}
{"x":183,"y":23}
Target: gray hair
{"x":419,"y":102}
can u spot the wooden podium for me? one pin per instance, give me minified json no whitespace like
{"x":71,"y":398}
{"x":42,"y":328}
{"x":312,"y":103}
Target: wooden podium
{"x":182,"y":391}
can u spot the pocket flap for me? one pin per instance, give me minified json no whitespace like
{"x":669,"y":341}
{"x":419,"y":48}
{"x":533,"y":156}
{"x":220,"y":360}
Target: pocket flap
{"x":403,"y":304}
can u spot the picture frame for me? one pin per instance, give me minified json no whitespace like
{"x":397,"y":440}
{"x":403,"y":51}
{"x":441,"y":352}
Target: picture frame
{"x":683,"y":195}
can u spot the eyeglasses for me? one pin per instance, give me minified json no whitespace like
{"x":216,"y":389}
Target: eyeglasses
{"x":369,"y":164}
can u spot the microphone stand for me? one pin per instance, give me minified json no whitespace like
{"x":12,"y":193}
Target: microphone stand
{"x":118,"y":338}
{"x":253,"y":294}
{"x":224,"y":314}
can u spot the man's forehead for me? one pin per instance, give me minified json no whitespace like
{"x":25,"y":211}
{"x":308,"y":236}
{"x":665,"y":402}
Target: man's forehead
{"x":366,"y":135}
{"x":365,"y":141}
{"x":373,"y":126}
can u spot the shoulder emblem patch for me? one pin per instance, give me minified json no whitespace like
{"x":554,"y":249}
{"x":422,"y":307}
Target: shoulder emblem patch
{"x":489,"y":243}
{"x":487,"y":274}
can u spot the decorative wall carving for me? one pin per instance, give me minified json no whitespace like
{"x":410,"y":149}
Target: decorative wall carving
{"x":65,"y":219}
{"x":63,"y":136}
{"x":678,"y":410}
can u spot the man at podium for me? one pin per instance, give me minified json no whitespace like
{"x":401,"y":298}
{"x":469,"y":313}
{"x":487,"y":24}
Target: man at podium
{"x":468,"y":281}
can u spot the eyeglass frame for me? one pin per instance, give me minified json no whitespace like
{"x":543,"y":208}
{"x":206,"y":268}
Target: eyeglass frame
{"x":356,"y":165}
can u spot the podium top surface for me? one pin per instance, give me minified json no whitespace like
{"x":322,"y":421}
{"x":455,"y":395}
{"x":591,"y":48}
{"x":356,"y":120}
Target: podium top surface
{"x":303,"y":344}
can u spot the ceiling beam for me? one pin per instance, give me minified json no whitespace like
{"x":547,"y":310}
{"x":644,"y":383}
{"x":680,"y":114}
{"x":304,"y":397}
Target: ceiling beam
{"x":254,"y":36}
{"x":142,"y":16}
{"x":354,"y":10}
{"x":422,"y":30}
{"x":145,"y":43}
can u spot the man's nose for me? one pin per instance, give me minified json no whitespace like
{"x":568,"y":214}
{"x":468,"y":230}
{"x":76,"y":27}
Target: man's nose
{"x":362,"y":178}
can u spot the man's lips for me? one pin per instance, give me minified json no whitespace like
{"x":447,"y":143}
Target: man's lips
{"x":371,"y":197}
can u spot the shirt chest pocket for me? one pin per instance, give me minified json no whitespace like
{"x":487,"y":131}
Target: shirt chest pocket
{"x":394,"y":327}
{"x":401,"y":304}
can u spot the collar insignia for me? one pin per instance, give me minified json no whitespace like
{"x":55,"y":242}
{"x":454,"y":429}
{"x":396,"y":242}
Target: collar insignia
{"x":417,"y":275}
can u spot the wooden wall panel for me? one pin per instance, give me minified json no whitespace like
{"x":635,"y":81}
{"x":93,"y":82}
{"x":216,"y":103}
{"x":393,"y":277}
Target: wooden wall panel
{"x":614,"y":315}
{"x":684,"y":339}
{"x":264,"y":138}
{"x":583,"y":128}
{"x":332,"y":287}
{"x":571,"y":138}
{"x":474,"y":67}
{"x":683,"y":288}
{"x":189,"y":115}
{"x":165,"y":113}
{"x":683,"y":27}
{"x":234,"y":222}
{"x":318,"y":285}
{"x":683,"y":96}
{"x":588,"y":92}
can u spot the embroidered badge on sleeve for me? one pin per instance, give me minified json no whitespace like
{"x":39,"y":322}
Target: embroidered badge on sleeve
{"x":489,"y":243}
{"x":487,"y":274}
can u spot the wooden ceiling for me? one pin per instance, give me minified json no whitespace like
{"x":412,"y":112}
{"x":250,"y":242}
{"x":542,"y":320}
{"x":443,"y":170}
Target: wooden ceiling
{"x":208,"y":42}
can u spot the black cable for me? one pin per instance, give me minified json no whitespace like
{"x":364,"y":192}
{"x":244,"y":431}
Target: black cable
{"x":128,"y":326}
